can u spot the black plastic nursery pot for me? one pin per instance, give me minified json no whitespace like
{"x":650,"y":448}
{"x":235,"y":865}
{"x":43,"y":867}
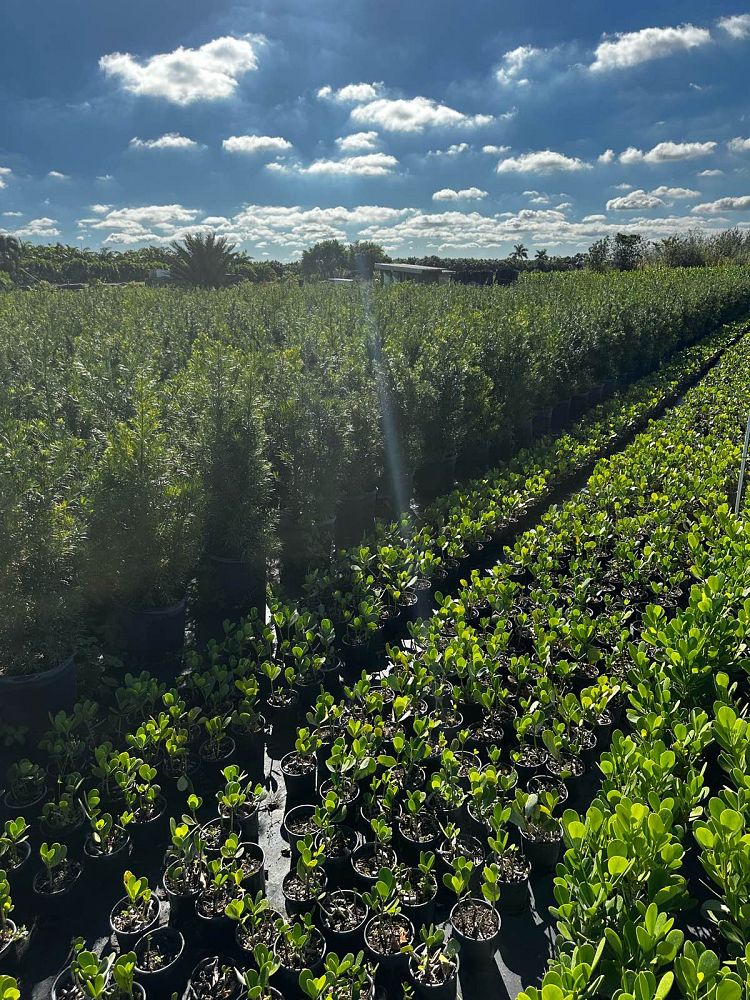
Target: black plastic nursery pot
{"x":107,"y":869}
{"x":55,"y":905}
{"x":206,"y":980}
{"x":297,"y":903}
{"x":540,"y":422}
{"x":160,"y":981}
{"x":355,"y":517}
{"x":476,"y":926}
{"x":543,"y":855}
{"x":341,"y":938}
{"x":300,"y":784}
{"x":435,"y":477}
{"x":9,"y":952}
{"x":392,"y":964}
{"x":145,"y":834}
{"x":434,"y":991}
{"x":127,"y":938}
{"x":64,"y":982}
{"x":297,"y":824}
{"x":288,"y":978}
{"x":233,"y":584}
{"x":28,"y":699}
{"x":153,"y":633}
{"x":181,"y":900}
{"x":366,"y":863}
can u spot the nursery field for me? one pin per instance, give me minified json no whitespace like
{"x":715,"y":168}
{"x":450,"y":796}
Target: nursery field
{"x":260,"y":744}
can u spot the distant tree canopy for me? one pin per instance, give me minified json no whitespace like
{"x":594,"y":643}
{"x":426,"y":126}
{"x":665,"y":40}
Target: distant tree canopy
{"x":24,"y":263}
{"x":203,"y":260}
{"x":693,"y":248}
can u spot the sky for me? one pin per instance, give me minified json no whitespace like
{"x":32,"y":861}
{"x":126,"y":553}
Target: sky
{"x":431,"y":127}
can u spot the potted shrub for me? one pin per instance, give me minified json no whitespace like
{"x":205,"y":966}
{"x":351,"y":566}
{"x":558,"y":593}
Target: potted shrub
{"x":27,"y":787}
{"x":40,"y":551}
{"x":255,"y":922}
{"x":214,"y":979}
{"x":348,"y":976}
{"x":15,"y":854}
{"x":303,"y":885}
{"x":510,"y":867}
{"x":418,"y":888}
{"x":158,"y":956}
{"x":143,"y":529}
{"x":342,"y":915}
{"x":388,"y":931}
{"x":433,"y":965}
{"x":134,"y":914}
{"x":299,"y":767}
{"x":221,"y":406}
{"x":475,"y":922}
{"x":107,"y":844}
{"x":298,"y":946}
{"x":541,"y":832}
{"x":54,"y":885}
{"x":257,"y":980}
{"x":10,"y":933}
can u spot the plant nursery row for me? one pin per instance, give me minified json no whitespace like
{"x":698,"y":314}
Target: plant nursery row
{"x":161,"y":446}
{"x":428,"y":788}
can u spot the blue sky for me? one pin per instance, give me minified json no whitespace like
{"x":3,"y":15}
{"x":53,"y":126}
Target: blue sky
{"x":431,"y":127}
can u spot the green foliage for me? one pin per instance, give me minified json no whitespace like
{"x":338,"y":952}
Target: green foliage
{"x":203,"y":260}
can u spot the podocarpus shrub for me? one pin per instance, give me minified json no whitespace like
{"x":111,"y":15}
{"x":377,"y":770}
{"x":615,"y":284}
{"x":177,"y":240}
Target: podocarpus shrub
{"x":143,"y":529}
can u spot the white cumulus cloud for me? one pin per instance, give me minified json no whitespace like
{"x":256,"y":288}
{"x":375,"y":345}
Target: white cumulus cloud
{"x":256,"y":144}
{"x":542,"y":162}
{"x":357,"y":140}
{"x":675,"y":193}
{"x":730,"y":204}
{"x":352,"y":93}
{"x":667,"y":152}
{"x":633,"y":201}
{"x":631,"y":48}
{"x":170,"y":140}
{"x":465,"y":194}
{"x":208,"y":73}
{"x":513,"y":65}
{"x":455,"y":149}
{"x":608,"y":156}
{"x":739,"y":145}
{"x":55,"y":175}
{"x":711,"y":173}
{"x":738,"y":25}
{"x":414,"y":114}
{"x":495,"y":150}
{"x":4,"y":172}
{"x":366,"y":165}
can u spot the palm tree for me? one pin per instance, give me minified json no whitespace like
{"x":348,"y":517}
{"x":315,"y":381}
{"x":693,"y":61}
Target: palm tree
{"x":542,"y":259}
{"x":203,"y":259}
{"x":519,"y":252}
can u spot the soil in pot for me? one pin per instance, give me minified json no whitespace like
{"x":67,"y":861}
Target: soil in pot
{"x":301,"y":896}
{"x":54,"y":898}
{"x":130,"y":922}
{"x":157,"y":960}
{"x":262,"y":931}
{"x":299,"y":772}
{"x":476,"y":924}
{"x":385,"y":936}
{"x":214,"y":979}
{"x":298,"y":823}
{"x":433,"y":980}
{"x":418,"y":893}
{"x":369,"y":858}
{"x":294,"y":961}
{"x":514,"y":870}
{"x":342,"y":915}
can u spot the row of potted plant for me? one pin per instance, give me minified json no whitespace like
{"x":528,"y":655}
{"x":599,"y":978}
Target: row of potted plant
{"x":109,"y":503}
{"x":626,"y":868}
{"x":577,"y":639}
